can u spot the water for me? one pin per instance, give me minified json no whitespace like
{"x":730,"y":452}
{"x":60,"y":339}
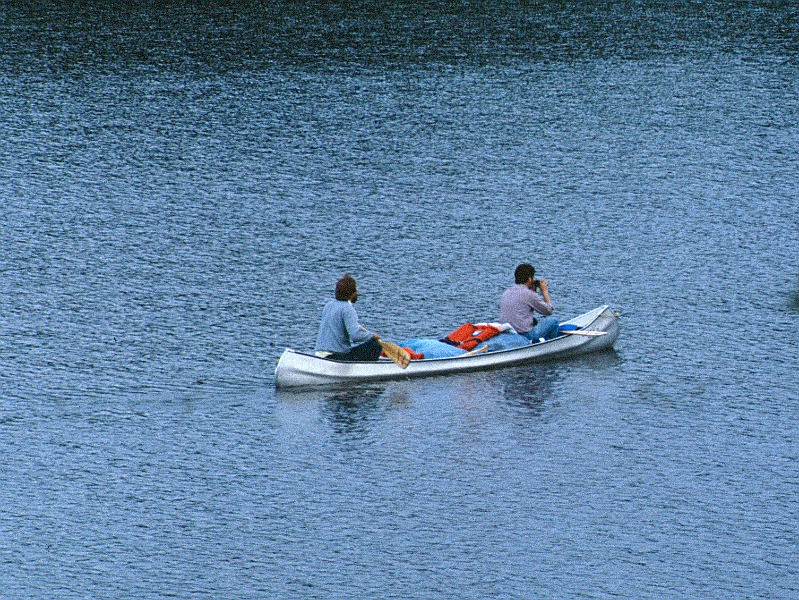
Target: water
{"x":182,"y":186}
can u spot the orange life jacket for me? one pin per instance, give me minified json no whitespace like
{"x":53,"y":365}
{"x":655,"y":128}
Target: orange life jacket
{"x":468,"y":336}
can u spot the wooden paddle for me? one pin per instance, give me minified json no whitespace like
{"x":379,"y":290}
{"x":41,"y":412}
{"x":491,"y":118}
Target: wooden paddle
{"x":479,"y":350}
{"x":398,"y":355}
{"x":578,"y":332}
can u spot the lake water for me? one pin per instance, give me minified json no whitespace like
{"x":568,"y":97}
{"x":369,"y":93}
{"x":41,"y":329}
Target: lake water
{"x":182,"y":186}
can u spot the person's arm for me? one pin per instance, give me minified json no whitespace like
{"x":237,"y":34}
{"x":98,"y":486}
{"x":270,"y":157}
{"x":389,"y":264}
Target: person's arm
{"x":356,"y":333}
{"x":544,"y":307}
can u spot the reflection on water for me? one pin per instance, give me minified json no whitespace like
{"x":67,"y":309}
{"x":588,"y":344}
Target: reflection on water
{"x":349,"y":409}
{"x":609,"y":357}
{"x":793,"y":304}
{"x":529,"y":388}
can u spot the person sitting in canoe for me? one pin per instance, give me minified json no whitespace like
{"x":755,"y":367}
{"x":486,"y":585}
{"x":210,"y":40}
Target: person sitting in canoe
{"x":340,"y":335}
{"x":519,"y":304}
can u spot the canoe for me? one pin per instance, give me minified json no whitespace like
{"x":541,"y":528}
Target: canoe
{"x":595,"y":330}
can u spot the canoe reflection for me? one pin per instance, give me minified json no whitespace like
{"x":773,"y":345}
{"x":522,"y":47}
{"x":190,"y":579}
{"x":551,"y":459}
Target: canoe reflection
{"x":528,"y":388}
{"x":350,"y":408}
{"x":531,"y":386}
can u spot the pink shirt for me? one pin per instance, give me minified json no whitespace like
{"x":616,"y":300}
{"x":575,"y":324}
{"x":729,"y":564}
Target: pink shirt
{"x":517,"y":305}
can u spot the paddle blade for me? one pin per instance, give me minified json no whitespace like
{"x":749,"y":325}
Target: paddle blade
{"x":399,"y":355}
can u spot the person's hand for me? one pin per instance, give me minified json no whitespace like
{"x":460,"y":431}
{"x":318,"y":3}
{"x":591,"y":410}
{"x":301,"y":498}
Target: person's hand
{"x":543,"y":287}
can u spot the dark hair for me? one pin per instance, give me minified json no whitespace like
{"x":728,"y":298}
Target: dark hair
{"x":524,"y":272}
{"x":345,"y":287}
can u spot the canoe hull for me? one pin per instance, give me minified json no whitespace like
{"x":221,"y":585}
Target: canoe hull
{"x":299,"y":369}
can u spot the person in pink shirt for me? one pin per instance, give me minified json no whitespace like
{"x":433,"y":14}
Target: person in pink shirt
{"x":519,"y":304}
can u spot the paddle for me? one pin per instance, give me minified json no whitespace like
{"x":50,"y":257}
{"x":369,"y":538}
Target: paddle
{"x":578,"y":332}
{"x":398,"y":355}
{"x":479,"y":350}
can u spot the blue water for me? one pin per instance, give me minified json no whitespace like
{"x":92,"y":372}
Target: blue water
{"x":181,"y":187}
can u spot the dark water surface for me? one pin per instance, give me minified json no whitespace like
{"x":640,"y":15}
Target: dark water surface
{"x":181,"y":186}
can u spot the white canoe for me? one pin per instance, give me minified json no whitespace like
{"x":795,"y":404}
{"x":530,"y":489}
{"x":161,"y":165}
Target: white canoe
{"x":299,"y":369}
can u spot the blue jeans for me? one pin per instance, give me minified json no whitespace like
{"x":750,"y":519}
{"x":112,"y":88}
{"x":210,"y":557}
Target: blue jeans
{"x":546,"y":328}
